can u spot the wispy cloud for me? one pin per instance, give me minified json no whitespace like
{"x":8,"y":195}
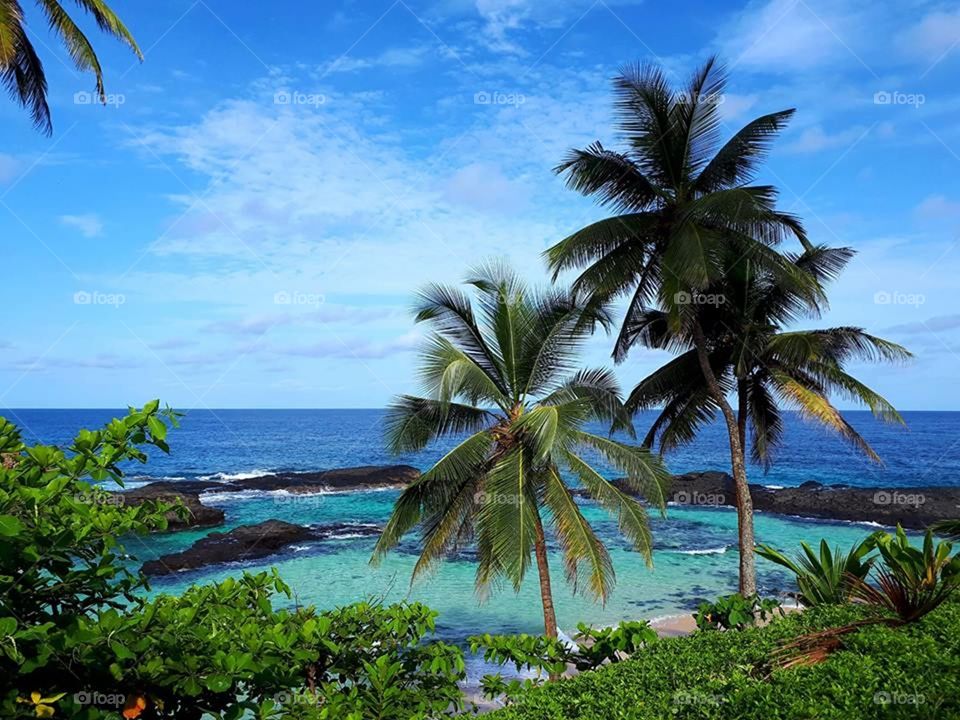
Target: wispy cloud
{"x":89,"y":224}
{"x":938,"y":323}
{"x":938,"y":207}
{"x":934,"y":36}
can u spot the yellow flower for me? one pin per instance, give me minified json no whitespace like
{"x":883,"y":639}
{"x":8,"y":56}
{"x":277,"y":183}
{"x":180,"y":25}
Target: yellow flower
{"x":42,"y":706}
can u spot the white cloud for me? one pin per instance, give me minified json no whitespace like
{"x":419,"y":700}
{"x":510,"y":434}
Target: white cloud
{"x":935,"y":36}
{"x":483,"y":186}
{"x":89,"y":224}
{"x":735,"y":107}
{"x":814,"y":139}
{"x":504,"y":20}
{"x":308,"y":200}
{"x":408,"y":57}
{"x":782,"y":36}
{"x":938,"y":207}
{"x":9,"y":168}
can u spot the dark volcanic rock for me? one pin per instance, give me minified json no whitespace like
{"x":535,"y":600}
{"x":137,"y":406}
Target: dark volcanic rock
{"x":250,"y":542}
{"x":371,"y":477}
{"x":911,"y":507}
{"x":200,"y":514}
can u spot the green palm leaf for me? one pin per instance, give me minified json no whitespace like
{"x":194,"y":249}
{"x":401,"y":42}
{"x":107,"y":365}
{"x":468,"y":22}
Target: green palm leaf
{"x":579,"y":543}
{"x":20,"y":67}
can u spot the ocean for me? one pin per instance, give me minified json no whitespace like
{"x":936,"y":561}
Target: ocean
{"x":695,"y":549}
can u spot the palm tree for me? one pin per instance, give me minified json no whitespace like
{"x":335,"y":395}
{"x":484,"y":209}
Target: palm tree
{"x":505,"y":377}
{"x":753,"y":356}
{"x":682,"y":201}
{"x":20,"y":65}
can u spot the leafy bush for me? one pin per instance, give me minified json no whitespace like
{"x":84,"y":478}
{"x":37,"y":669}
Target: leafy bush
{"x":911,"y":672}
{"x":911,"y":581}
{"x":78,"y":639}
{"x":735,"y":612}
{"x":825,"y":578}
{"x":551,"y":656}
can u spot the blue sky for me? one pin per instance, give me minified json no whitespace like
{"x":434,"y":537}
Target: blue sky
{"x":246,"y":221}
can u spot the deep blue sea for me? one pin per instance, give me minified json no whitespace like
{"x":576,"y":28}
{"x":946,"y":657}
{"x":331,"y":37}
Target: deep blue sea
{"x":925,"y":452}
{"x":695,"y":548}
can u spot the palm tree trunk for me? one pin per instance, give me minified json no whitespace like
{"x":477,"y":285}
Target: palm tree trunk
{"x":742,"y":416}
{"x":744,"y":503}
{"x":546,"y":594}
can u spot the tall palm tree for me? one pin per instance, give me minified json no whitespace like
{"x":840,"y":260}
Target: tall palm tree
{"x":683,"y":201}
{"x":20,"y":66}
{"x":504,"y":376}
{"x":755,"y":357}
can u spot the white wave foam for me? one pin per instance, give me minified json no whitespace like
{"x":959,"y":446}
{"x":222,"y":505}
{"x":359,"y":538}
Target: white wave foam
{"x":300,"y":548}
{"x":774,"y":487}
{"x":227,"y":477}
{"x":703,"y":551}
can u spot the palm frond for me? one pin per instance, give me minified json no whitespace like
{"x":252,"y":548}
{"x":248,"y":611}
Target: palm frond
{"x":578,"y":542}
{"x":77,"y":44}
{"x":596,"y":240}
{"x":412,"y":422}
{"x":447,"y":373}
{"x":450,"y":313}
{"x":599,"y":392}
{"x":611,"y":177}
{"x":109,"y":23}
{"x":738,"y":161}
{"x":20,"y":66}
{"x":766,"y":422}
{"x":645,"y":473}
{"x":507,"y":514}
{"x":642,"y":103}
{"x":696,"y":115}
{"x":631,"y":516}
{"x":815,"y":406}
{"x":435,"y":489}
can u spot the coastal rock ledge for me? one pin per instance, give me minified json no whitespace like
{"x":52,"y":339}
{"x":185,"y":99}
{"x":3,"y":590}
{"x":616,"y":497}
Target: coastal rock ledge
{"x":914,"y":508}
{"x":368,"y":477}
{"x":251,"y":542}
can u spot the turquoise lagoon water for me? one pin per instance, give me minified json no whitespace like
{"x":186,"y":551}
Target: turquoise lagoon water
{"x":695,"y":556}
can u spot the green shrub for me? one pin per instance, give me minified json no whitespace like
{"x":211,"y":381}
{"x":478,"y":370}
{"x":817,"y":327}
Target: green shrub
{"x":78,"y":639}
{"x":909,"y":672}
{"x":735,"y":612}
{"x":551,"y":656}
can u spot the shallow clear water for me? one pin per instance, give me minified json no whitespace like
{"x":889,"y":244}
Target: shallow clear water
{"x":695,"y":557}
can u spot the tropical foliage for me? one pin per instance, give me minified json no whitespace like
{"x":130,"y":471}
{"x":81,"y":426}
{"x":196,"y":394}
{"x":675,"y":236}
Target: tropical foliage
{"x":906,"y":673}
{"x":754,"y":356}
{"x":910,"y":581}
{"x":909,"y":584}
{"x":684,"y":204}
{"x":589,"y":649}
{"x":949,"y":529}
{"x":735,"y":612}
{"x":826,"y":578}
{"x":20,"y":65}
{"x":504,"y":374}
{"x":79,"y":639}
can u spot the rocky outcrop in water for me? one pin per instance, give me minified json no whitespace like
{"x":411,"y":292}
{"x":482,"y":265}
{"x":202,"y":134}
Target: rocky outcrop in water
{"x":200,"y":515}
{"x":251,"y":542}
{"x":370,"y":477}
{"x":911,"y":507}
